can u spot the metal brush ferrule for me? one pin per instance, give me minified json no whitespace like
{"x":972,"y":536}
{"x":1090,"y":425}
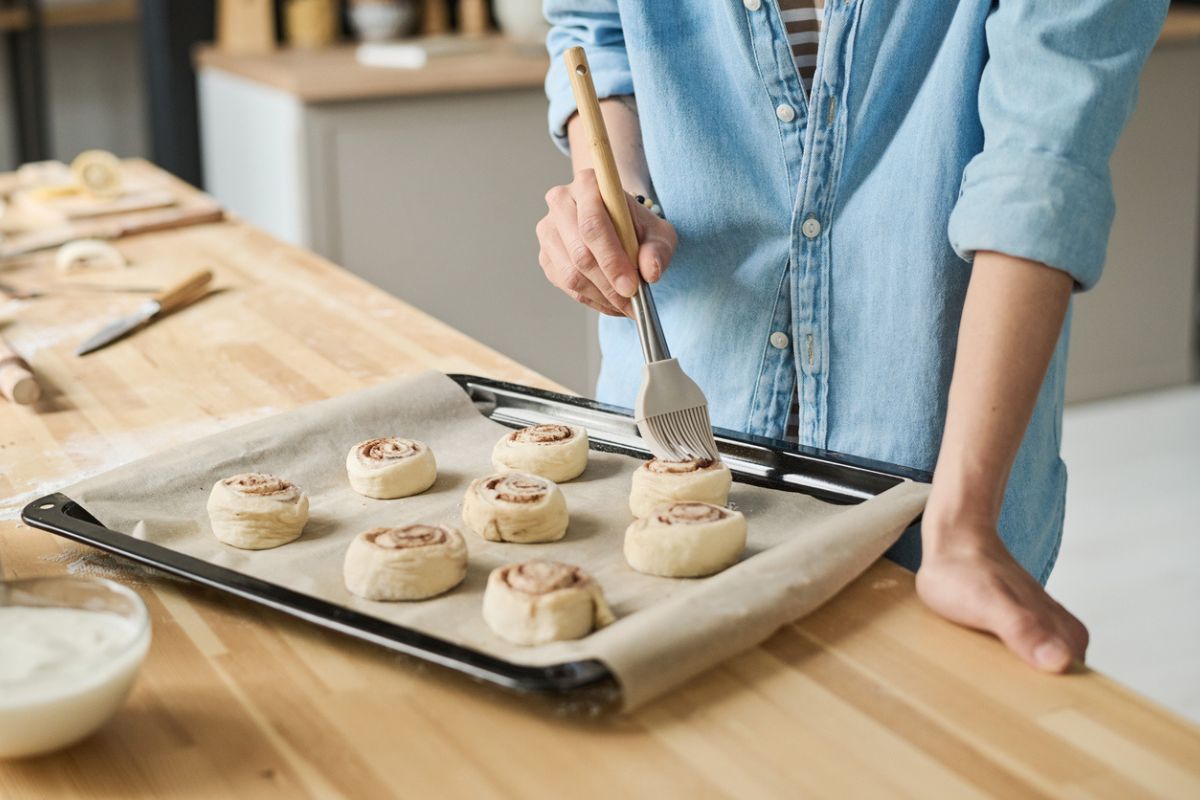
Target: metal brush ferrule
{"x":645,"y":316}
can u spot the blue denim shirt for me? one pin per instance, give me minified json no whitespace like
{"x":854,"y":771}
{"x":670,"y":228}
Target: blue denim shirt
{"x":847,"y":220}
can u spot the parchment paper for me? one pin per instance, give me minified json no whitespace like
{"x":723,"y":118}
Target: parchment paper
{"x":801,"y":551}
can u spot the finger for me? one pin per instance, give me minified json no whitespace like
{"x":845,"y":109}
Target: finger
{"x":602,"y":307}
{"x":656,"y":239}
{"x":577,"y":254}
{"x":597,"y":230}
{"x":559,"y":271}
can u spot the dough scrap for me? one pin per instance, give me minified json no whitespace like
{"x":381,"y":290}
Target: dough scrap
{"x":98,"y":171}
{"x":87,"y":254}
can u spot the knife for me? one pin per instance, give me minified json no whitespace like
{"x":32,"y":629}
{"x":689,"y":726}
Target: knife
{"x":160,"y":305}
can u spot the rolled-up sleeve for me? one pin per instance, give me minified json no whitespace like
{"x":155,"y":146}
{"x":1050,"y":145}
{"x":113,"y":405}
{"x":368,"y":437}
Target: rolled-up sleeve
{"x":1055,"y":94}
{"x":594,"y":25}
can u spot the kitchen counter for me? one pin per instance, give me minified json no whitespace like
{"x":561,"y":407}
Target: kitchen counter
{"x":334,"y":74}
{"x":871,"y":696}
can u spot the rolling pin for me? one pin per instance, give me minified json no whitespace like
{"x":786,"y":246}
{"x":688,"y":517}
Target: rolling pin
{"x":17,"y":381}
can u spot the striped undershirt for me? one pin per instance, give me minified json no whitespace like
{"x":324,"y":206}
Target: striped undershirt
{"x":802,"y":20}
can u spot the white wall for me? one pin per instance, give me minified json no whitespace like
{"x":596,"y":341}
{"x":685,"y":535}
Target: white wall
{"x":96,"y":92}
{"x":1136,"y":330}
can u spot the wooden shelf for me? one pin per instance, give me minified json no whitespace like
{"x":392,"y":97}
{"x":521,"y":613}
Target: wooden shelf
{"x":100,"y":12}
{"x":1183,"y":25}
{"x":334,"y":74}
{"x":13,"y":19}
{"x":96,"y":13}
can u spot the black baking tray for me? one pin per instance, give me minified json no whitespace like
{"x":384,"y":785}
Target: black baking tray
{"x":588,"y":684}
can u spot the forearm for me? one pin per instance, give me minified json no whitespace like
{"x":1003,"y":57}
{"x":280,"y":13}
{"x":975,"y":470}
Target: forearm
{"x":1010,"y":325}
{"x":625,"y":135}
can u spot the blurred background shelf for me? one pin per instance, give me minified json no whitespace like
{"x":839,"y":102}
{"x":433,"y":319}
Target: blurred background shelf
{"x":1183,"y":24}
{"x":13,"y":19}
{"x":64,"y":15}
{"x":92,"y":13}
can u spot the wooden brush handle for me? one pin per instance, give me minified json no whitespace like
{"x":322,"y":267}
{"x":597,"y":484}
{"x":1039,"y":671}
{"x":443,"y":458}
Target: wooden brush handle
{"x":184,"y":292}
{"x":602,"y":154}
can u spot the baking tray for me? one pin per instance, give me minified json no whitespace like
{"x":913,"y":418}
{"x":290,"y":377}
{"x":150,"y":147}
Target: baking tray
{"x":829,"y":476}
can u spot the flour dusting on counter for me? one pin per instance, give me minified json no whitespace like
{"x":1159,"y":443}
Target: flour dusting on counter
{"x":94,"y":454}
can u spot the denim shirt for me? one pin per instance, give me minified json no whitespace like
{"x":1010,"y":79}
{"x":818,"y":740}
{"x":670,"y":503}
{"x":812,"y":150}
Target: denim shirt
{"x":825,"y":241}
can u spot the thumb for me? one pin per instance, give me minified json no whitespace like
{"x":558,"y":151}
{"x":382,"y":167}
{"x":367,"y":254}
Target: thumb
{"x":656,"y":241}
{"x":1028,"y":636}
{"x":653,"y":257}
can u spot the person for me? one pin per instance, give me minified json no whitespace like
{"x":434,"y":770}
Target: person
{"x":873,"y":218}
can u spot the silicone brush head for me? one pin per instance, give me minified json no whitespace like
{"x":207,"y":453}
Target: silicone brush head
{"x":672,"y":414}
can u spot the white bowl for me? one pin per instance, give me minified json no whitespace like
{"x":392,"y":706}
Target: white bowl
{"x":378,"y":22}
{"x":59,"y":685}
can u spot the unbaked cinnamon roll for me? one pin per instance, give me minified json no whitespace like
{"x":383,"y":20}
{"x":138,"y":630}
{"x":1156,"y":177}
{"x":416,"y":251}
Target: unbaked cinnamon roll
{"x":391,"y":467}
{"x":255,"y":511}
{"x":656,"y":482}
{"x":685,"y":539}
{"x":543,"y":601}
{"x":516,"y":507}
{"x":557,"y":452}
{"x":412,"y":562}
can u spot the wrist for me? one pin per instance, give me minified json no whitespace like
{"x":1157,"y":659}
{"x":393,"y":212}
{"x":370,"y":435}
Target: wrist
{"x":958,"y":520}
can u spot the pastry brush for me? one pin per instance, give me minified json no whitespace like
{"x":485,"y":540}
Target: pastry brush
{"x":671,"y":411}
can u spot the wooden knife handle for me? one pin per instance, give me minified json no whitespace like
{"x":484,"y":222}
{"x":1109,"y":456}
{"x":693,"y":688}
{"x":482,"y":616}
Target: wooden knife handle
{"x":183,"y":292}
{"x":602,"y":155}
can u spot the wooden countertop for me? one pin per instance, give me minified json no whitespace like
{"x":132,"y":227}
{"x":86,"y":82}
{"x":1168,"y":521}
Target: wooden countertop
{"x":318,"y":76}
{"x":330,"y":75}
{"x":871,"y":696}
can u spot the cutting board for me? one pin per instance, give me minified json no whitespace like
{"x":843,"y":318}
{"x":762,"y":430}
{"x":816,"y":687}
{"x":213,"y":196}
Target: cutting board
{"x":150,"y":202}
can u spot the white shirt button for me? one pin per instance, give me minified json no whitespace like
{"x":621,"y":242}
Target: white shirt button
{"x":752,"y":5}
{"x":811,"y":228}
{"x":779,"y":340}
{"x":785,"y":112}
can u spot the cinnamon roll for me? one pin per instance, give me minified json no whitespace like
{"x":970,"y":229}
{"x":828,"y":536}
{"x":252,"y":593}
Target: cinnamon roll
{"x":557,"y":452}
{"x":515,"y":507}
{"x":412,"y":562}
{"x":543,"y":601}
{"x":685,"y":539}
{"x":255,"y":511}
{"x":391,"y":467}
{"x":656,"y":482}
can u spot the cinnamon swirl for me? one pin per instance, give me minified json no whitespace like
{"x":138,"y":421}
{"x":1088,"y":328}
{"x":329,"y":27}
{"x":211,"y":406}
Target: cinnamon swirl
{"x":515,"y":507}
{"x":557,"y":452}
{"x":255,"y":511}
{"x":390,"y":467}
{"x":543,"y":601}
{"x":656,"y":482}
{"x":685,"y":539}
{"x":411,"y":562}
